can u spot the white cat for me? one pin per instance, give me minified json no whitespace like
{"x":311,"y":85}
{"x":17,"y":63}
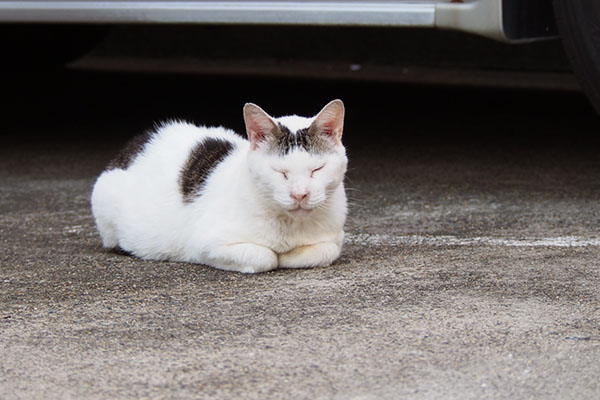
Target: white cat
{"x":209,"y":196}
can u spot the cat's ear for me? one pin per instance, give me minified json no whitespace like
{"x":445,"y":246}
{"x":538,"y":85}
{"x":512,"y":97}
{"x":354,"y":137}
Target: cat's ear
{"x":259,"y":125}
{"x":330,"y":120}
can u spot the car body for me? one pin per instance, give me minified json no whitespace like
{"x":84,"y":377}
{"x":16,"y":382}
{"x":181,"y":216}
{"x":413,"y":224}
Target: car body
{"x":510,"y":21}
{"x":507,"y":20}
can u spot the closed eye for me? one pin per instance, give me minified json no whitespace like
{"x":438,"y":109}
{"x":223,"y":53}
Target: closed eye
{"x":315,"y":170}
{"x":282,"y":172}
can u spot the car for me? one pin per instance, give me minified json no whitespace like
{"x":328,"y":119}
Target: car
{"x":510,"y":21}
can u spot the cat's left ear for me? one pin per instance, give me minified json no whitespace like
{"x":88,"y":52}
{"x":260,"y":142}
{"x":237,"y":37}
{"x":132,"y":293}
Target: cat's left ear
{"x":259,"y":125}
{"x":330,"y":120}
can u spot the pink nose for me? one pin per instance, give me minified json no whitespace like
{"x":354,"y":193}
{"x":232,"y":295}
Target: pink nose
{"x":298,"y":196}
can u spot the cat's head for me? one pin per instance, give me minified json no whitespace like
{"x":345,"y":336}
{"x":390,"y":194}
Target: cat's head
{"x":296,"y":162}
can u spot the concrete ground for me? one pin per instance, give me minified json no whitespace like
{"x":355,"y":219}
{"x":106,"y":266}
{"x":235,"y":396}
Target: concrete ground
{"x":471,"y":267}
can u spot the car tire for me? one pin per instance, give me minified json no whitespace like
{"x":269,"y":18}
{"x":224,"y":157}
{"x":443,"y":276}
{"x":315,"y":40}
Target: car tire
{"x":579,"y":26}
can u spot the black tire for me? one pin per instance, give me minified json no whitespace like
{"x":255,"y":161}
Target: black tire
{"x":579,"y":26}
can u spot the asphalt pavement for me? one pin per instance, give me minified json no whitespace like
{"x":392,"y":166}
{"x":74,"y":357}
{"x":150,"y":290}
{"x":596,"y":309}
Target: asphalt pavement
{"x":471,"y":267}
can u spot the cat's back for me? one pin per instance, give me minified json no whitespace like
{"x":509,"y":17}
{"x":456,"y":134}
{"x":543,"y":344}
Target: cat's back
{"x":171,"y":144}
{"x":174,"y":161}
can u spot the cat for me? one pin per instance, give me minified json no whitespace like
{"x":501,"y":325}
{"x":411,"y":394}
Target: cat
{"x":210,"y":196}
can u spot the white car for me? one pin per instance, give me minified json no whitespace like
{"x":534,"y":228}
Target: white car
{"x":514,"y":21}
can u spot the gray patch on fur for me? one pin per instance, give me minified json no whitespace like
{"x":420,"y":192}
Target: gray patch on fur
{"x":202,"y":161}
{"x":131,"y":150}
{"x":120,"y":251}
{"x":319,"y":142}
{"x":308,"y":139}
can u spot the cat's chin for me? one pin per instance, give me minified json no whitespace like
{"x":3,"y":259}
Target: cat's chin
{"x":299,"y":211}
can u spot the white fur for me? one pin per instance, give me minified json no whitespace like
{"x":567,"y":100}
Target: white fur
{"x":244,"y":220}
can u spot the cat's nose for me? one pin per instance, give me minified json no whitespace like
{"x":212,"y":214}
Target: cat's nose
{"x":299,"y":196}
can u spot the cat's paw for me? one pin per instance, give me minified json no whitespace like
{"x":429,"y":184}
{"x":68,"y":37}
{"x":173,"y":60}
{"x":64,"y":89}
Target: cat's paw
{"x":254,"y":269}
{"x":314,"y":255}
{"x":248,"y":258}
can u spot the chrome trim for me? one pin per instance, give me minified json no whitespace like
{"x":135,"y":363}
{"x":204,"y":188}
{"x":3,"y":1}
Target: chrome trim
{"x":379,"y":13}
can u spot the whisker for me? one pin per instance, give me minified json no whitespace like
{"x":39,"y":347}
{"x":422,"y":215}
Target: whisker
{"x":356,"y":199}
{"x":357,"y":207}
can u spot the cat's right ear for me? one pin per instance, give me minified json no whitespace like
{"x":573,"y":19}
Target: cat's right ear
{"x":259,"y":125}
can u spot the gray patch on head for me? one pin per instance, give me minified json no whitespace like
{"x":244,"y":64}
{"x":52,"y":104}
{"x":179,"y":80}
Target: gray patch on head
{"x":201,"y":162}
{"x":284,"y":139}
{"x":319,"y":142}
{"x":308,"y":139}
{"x":132,"y":149}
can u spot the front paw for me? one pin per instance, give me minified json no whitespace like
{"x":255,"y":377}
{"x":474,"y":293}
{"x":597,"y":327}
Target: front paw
{"x":247,"y":258}
{"x":257,"y":268}
{"x":314,"y":255}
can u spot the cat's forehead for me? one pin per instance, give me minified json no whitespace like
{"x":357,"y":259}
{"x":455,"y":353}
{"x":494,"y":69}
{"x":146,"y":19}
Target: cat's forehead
{"x":297,"y":157}
{"x":294,"y":123}
{"x":294,"y":133}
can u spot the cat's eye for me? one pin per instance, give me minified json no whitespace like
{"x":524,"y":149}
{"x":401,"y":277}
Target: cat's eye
{"x":282,"y":172}
{"x":315,"y":170}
